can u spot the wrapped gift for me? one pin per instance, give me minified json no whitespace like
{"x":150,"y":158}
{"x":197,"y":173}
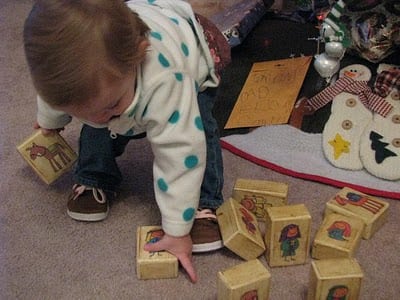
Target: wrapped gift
{"x":237,"y":21}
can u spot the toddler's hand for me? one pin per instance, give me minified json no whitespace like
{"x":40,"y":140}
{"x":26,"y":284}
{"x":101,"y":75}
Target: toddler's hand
{"x":181,"y":247}
{"x":46,"y":131}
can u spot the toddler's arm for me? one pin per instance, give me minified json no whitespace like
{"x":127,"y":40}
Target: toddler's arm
{"x":49,"y":118}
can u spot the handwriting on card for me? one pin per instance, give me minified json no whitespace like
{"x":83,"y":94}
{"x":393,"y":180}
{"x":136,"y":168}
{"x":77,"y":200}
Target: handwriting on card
{"x":269,"y":93}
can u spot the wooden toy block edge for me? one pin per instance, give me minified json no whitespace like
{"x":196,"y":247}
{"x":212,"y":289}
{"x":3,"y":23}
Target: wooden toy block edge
{"x":143,"y":262}
{"x":234,"y":236}
{"x":320,"y":245}
{"x":21,"y":150}
{"x":273,"y":188}
{"x":270,"y":223}
{"x":243,"y":274}
{"x":317,"y":279}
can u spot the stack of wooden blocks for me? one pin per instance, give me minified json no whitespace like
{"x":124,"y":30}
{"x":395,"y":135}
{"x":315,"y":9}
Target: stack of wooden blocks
{"x":335,"y":273}
{"x":349,"y":216}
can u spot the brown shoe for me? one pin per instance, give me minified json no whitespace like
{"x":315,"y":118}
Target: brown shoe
{"x":205,"y":232}
{"x":87,"y":204}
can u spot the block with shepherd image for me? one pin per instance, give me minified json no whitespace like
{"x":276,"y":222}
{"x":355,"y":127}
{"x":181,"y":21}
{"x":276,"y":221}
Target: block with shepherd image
{"x":287,"y":235}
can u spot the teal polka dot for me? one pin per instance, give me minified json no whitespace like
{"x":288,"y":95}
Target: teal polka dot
{"x":199,"y":123}
{"x":132,"y":113}
{"x":144,"y":111}
{"x":151,"y":1}
{"x":163,"y":61}
{"x":185,"y":49}
{"x":179,"y":76}
{"x":129,"y":132}
{"x":174,"y":118}
{"x":188,"y":214}
{"x":156,"y":35}
{"x":162,"y":185}
{"x":191,"y":161}
{"x":175,"y":21}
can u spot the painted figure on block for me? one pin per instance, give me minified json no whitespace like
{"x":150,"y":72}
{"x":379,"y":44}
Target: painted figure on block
{"x":153,"y":236}
{"x":361,"y":201}
{"x":250,"y":295}
{"x":248,"y":220}
{"x":338,"y":292}
{"x":256,"y":204}
{"x":50,"y":153}
{"x":289,"y":240}
{"x":339,"y":230}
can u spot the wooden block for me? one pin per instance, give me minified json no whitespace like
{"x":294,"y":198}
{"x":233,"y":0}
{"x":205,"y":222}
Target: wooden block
{"x":339,"y":236}
{"x":49,"y":156}
{"x":153,"y":265}
{"x":257,"y":195}
{"x":371,"y":210}
{"x":287,"y":235}
{"x":338,"y":278}
{"x":239,"y":230}
{"x":248,"y":280}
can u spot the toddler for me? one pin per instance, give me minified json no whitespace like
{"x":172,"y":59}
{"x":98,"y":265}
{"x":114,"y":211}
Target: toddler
{"x":128,"y":70}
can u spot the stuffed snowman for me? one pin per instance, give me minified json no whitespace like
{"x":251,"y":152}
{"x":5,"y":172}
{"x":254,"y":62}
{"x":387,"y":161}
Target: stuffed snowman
{"x":349,"y":116}
{"x":380,"y":141}
{"x":353,"y":103}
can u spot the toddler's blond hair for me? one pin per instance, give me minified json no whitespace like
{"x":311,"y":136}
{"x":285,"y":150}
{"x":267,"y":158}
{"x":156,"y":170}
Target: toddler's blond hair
{"x":70,"y":45}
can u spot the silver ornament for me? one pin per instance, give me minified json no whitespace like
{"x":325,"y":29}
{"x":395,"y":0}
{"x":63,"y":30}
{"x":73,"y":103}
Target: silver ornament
{"x":334,"y":49}
{"x":326,"y":31}
{"x":326,"y":66}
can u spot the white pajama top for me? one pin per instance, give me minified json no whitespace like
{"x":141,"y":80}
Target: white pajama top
{"x":177,"y":66}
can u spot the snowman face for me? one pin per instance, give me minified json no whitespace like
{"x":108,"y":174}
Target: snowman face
{"x":356,"y":72}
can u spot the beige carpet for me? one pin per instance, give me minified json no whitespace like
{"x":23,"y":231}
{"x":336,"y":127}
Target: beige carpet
{"x":46,"y":255}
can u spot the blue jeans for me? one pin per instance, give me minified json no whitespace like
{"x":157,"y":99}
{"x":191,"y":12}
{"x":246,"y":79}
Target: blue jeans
{"x":97,"y":166}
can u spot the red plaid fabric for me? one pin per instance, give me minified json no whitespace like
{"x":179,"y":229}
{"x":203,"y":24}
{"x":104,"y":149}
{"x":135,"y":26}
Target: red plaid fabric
{"x":361,"y":89}
{"x":386,"y":81}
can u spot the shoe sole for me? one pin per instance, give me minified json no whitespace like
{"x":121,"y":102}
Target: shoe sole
{"x":88,"y":217}
{"x":199,"y":248}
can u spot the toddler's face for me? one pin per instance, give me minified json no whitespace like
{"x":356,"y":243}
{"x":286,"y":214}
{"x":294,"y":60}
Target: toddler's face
{"x":113,"y":98}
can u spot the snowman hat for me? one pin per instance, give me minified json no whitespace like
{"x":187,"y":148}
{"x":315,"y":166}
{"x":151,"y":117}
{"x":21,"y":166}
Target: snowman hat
{"x":333,"y":20}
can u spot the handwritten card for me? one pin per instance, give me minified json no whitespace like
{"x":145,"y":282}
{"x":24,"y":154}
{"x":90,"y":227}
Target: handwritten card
{"x":269,"y":93}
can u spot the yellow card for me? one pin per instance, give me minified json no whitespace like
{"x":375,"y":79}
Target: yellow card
{"x":269,"y":93}
{"x":49,"y":156}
